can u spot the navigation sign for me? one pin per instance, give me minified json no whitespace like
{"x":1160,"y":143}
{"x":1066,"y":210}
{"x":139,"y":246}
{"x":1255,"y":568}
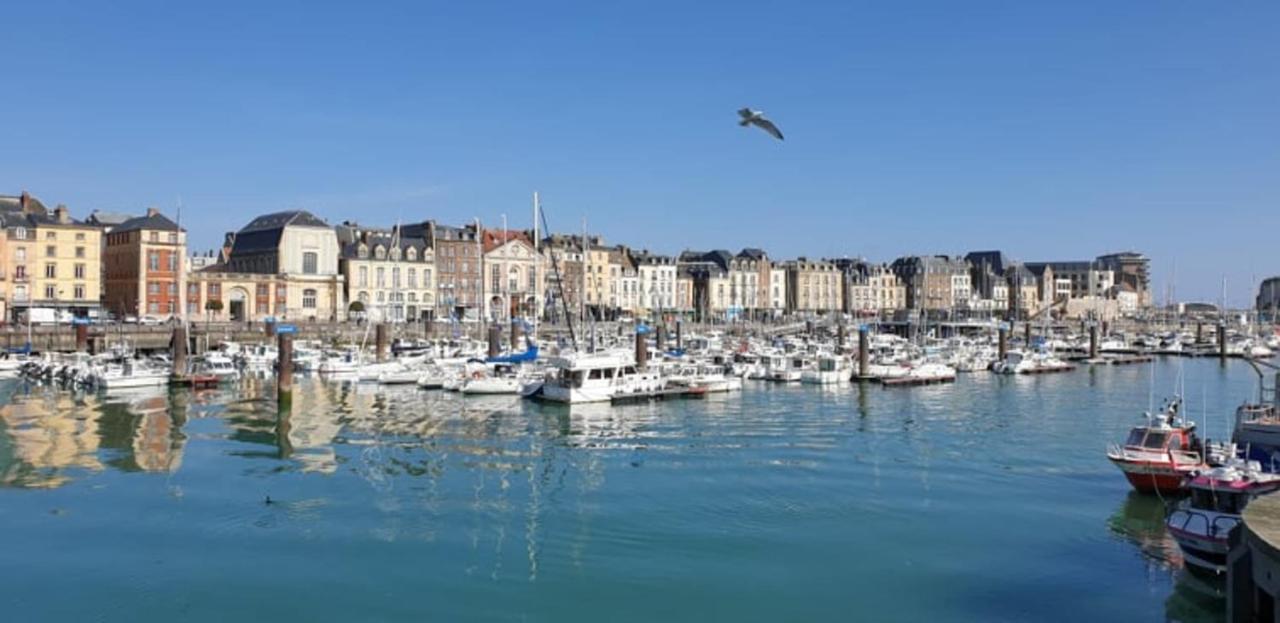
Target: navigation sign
{"x":286,"y":329}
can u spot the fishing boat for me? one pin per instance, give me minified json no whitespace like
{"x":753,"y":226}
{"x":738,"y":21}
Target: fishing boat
{"x":1162,"y":454}
{"x":131,"y":374}
{"x":1202,"y":522}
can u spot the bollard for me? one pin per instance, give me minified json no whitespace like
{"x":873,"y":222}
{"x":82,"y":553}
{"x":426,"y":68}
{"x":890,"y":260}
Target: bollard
{"x":515,"y":335}
{"x":179,"y":351}
{"x":642,"y":348}
{"x":381,"y":341}
{"x":284,"y":371}
{"x":1222,"y":342}
{"x":1093,"y":341}
{"x":1002,"y":343}
{"x":82,"y":338}
{"x":864,"y":352}
{"x":495,"y":340}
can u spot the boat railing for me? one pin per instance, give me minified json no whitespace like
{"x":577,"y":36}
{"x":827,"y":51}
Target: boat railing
{"x":1197,"y":522}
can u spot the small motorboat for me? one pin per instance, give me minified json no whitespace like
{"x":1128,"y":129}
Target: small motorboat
{"x":1201,"y":523}
{"x":1162,"y":455}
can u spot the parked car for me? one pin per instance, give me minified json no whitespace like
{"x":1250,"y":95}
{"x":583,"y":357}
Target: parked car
{"x":149,"y":321}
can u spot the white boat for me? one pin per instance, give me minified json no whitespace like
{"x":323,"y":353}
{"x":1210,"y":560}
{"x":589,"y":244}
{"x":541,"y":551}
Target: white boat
{"x":597,"y":377}
{"x":830,"y":370}
{"x":931,"y":371}
{"x":492,"y":380}
{"x":132,"y":374}
{"x":216,"y":364}
{"x":707,"y":377}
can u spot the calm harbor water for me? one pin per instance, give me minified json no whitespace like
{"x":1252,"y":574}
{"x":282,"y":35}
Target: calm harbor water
{"x":989,"y":500}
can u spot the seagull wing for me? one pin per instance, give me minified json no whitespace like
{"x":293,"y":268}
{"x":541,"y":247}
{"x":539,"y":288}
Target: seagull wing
{"x":767,"y":126}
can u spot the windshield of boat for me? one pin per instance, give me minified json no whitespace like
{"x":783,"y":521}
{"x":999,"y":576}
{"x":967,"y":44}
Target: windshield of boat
{"x":1155,"y":439}
{"x":1218,"y":500}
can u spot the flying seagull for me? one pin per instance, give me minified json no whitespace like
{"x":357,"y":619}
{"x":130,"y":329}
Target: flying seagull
{"x":756,"y":118}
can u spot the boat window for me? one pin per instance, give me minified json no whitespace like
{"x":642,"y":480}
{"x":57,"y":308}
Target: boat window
{"x":1155,"y":439}
{"x":1202,"y":499}
{"x":595,"y":374}
{"x":1135,"y":437}
{"x":629,"y":370}
{"x":576,"y":377}
{"x":608,"y":373}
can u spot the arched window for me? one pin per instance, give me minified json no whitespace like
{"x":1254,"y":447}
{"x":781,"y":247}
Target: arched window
{"x":411,"y":254}
{"x":363,"y":251}
{"x":380,"y":252}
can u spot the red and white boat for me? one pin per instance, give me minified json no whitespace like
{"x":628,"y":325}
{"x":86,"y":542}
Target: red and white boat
{"x":1201,"y":523}
{"x":1161,"y":456}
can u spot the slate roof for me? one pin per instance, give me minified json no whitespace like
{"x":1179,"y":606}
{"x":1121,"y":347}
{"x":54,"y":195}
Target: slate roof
{"x":150,"y":221}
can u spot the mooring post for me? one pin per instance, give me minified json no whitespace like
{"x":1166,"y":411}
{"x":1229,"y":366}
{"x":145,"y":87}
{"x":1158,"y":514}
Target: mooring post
{"x":661,"y":339}
{"x":1199,"y":333}
{"x":380,"y":341}
{"x":1093,"y":341}
{"x":515,"y":335}
{"x":82,"y":338}
{"x":642,"y":347}
{"x":179,"y":351}
{"x":284,"y":371}
{"x":840,"y":335}
{"x":864,"y":352}
{"x":679,"y":336}
{"x":1002,"y":342}
{"x":495,"y":340}
{"x":1222,"y":341}
{"x":1026,"y":339}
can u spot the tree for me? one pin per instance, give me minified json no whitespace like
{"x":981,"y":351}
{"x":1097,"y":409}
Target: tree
{"x":356,"y":307}
{"x":212,"y":307}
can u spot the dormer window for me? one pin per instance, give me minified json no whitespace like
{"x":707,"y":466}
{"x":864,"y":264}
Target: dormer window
{"x":379,"y":252}
{"x":411,"y":254}
{"x":395,"y":254}
{"x":363,"y":252}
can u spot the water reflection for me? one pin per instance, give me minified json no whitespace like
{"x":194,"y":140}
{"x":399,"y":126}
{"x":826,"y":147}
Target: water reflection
{"x":1140,"y":520}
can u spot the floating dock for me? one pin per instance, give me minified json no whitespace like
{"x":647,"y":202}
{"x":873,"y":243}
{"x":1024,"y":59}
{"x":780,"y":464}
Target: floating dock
{"x":917,"y":380}
{"x":195,"y":381}
{"x":661,"y":394}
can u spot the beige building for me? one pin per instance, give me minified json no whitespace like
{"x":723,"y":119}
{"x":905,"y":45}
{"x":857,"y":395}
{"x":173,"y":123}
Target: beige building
{"x":599,"y":282}
{"x":813,"y":286}
{"x":143,"y":267}
{"x":777,"y":289}
{"x":388,"y":274}
{"x":516,"y":275}
{"x":282,"y":266}
{"x":50,"y":259}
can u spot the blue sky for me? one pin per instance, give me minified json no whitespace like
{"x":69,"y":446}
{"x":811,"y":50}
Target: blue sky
{"x":1049,"y":130}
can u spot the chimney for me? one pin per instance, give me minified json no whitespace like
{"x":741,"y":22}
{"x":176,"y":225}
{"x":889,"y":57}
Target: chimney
{"x":153,"y":212}
{"x":61,"y":215}
{"x":26,"y":198}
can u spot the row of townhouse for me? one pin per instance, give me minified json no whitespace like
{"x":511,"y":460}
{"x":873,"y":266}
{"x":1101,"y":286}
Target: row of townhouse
{"x":293,"y":265}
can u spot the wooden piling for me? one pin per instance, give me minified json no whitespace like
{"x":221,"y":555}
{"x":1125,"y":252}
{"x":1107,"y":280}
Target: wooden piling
{"x":1222,"y":341}
{"x":381,"y":341}
{"x":661,"y":339}
{"x":284,"y":371}
{"x":495,"y":340}
{"x":515,"y":335}
{"x":1093,"y":341}
{"x":82,"y":338}
{"x":864,"y":352}
{"x":179,"y":353}
{"x":642,"y":348}
{"x":679,"y":336}
{"x":1002,"y":343}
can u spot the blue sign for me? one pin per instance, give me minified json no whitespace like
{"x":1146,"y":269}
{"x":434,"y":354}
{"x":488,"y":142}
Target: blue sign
{"x":286,"y":329}
{"x":642,"y":329}
{"x":79,"y":320}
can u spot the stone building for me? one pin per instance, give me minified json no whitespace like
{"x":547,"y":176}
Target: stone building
{"x":281,"y":266}
{"x":51,"y":260}
{"x":458,"y":259}
{"x":813,"y":286}
{"x":934,"y":282}
{"x":516,"y":275}
{"x":388,"y":275}
{"x":564,"y":261}
{"x":657,"y":282}
{"x":1131,"y":270}
{"x":143,"y":267}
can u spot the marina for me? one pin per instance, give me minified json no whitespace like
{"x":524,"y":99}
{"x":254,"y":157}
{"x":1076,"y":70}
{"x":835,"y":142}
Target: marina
{"x":492,"y":495}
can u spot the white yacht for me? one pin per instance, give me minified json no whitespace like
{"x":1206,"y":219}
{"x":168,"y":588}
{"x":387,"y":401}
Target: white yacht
{"x":597,"y":377}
